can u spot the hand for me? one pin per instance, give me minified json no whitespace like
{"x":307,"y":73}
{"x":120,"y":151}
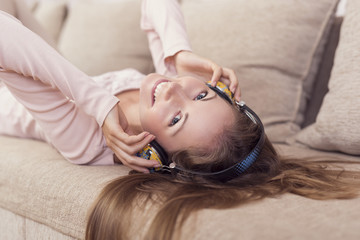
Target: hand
{"x":188,"y":62}
{"x":123,"y":144}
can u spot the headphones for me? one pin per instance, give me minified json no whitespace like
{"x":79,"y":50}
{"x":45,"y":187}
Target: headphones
{"x":153,"y":151}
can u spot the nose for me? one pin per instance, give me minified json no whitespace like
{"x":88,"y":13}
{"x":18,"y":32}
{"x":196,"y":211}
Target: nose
{"x":172,"y":90}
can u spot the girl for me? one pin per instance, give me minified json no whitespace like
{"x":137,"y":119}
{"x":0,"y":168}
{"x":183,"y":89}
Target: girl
{"x":217,"y":152}
{"x":67,"y":107}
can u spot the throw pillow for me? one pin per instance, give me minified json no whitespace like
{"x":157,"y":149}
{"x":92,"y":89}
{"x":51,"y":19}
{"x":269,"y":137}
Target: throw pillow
{"x":101,"y":37}
{"x":273,"y":45}
{"x":337,"y":124}
{"x":51,"y":16}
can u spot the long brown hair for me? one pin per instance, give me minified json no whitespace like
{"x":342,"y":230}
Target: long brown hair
{"x":175,"y":197}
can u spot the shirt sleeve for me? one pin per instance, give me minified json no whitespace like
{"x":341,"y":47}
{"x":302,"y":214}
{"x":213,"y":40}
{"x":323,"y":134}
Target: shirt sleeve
{"x":164,"y":24}
{"x":27,"y":54}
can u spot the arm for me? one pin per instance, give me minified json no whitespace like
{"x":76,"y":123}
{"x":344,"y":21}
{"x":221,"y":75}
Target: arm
{"x":164,"y":24}
{"x":34,"y":58}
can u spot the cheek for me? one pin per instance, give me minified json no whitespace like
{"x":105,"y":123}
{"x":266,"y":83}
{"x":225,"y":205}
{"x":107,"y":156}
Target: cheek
{"x":151,"y":122}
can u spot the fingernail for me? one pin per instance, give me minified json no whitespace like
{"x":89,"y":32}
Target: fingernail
{"x":157,"y":165}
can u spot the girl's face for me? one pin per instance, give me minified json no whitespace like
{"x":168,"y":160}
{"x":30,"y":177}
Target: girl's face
{"x":182,"y":112}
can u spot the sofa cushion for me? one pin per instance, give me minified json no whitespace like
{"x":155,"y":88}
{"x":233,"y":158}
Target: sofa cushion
{"x":8,"y":6}
{"x":38,"y":183}
{"x":322,"y":77}
{"x":100,"y":37}
{"x":337,"y":124}
{"x":51,"y":16}
{"x":274,"y":46}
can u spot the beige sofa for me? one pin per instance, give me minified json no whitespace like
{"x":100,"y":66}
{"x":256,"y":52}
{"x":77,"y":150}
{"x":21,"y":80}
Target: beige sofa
{"x":283,"y":53}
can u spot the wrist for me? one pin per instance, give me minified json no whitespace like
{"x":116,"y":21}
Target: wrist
{"x":179,"y":53}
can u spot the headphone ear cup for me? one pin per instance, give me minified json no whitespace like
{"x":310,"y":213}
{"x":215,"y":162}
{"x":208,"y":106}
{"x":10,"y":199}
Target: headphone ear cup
{"x":153,"y":151}
{"x":160,"y":152}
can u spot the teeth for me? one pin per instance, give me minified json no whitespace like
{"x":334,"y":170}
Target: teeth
{"x":158,"y":89}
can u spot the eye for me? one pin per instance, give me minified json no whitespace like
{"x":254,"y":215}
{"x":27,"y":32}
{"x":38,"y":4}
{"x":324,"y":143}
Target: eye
{"x":201,"y":96}
{"x":175,"y":120}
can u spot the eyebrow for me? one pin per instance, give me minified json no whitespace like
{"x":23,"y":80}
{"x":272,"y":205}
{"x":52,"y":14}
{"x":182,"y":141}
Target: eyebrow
{"x":186,"y":115}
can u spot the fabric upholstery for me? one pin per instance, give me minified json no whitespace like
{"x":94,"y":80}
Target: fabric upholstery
{"x":20,"y":10}
{"x":337,"y":124}
{"x":51,"y":16}
{"x":275,"y":54}
{"x":44,"y":188}
{"x":112,"y":41}
{"x":8,"y":6}
{"x":48,"y":189}
{"x":16,"y":227}
{"x":322,"y":77}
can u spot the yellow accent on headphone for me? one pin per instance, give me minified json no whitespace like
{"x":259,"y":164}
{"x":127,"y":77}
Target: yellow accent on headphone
{"x":225,"y":89}
{"x":150,"y":153}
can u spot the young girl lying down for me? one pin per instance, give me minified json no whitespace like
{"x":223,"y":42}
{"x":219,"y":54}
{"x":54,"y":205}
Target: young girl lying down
{"x":185,"y":124}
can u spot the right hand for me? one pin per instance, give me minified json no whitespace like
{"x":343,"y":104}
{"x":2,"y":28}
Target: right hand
{"x":120,"y":140}
{"x":188,"y":62}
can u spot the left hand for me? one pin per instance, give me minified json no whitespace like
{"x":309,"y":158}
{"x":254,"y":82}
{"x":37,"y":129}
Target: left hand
{"x":188,"y":62}
{"x":123,"y":143}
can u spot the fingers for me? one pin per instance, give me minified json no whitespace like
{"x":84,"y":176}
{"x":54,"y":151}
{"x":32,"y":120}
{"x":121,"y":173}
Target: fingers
{"x":228,"y":77}
{"x":234,"y":82}
{"x":125,"y":147}
{"x":125,"y":139}
{"x":134,"y":162}
{"x":217,"y":73}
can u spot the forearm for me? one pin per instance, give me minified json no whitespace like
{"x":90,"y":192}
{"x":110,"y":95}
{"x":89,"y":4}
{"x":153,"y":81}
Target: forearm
{"x":27,"y":54}
{"x":164,"y":23}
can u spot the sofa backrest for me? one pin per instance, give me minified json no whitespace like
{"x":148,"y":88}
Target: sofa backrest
{"x":21,"y":10}
{"x":276,"y":56}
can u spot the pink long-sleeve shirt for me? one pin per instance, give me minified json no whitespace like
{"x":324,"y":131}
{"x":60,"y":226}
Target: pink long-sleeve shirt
{"x":33,"y":67}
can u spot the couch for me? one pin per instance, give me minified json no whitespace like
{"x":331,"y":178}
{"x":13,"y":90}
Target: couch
{"x":298,"y":66}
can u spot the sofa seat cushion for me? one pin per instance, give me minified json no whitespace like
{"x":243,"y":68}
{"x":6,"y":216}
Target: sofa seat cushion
{"x":301,"y":151}
{"x":38,"y":183}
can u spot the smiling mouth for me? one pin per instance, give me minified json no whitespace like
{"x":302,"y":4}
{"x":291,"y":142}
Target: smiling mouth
{"x":157,"y":89}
